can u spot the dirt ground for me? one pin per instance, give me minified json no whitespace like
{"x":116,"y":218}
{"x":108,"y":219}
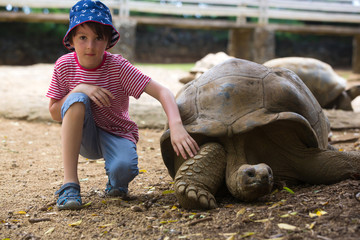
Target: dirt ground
{"x":31,"y":171}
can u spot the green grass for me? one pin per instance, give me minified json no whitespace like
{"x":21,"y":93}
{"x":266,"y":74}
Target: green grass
{"x":170,"y":66}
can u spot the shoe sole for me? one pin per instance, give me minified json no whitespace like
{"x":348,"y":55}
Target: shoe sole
{"x":70,"y":205}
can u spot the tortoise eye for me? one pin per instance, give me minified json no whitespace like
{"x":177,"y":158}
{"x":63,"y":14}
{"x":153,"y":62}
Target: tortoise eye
{"x":250,"y":172}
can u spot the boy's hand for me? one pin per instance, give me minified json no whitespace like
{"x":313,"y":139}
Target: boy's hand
{"x":100,"y":96}
{"x":182,"y":142}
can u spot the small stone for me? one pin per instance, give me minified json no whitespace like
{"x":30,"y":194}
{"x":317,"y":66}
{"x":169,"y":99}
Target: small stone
{"x":136,"y":209}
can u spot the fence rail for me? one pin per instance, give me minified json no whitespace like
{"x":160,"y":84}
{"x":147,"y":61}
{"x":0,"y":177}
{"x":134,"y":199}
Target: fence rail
{"x":340,"y":11}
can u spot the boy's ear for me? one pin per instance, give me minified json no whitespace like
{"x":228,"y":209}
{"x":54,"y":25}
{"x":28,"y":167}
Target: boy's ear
{"x":71,"y":42}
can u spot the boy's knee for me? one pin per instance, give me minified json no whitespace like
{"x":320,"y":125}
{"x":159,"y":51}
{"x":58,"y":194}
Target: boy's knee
{"x":76,"y":103}
{"x":124,"y":168}
{"x":123,"y":172}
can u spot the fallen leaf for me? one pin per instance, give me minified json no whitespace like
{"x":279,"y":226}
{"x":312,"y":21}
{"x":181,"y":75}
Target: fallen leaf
{"x":87,"y":204}
{"x":21,"y":212}
{"x":167,"y":192}
{"x":106,"y":225}
{"x":275,"y":191}
{"x":232,"y":236}
{"x":247,"y":234}
{"x":240,"y":212}
{"x":311,"y":226}
{"x":288,"y":190}
{"x":281,"y":202}
{"x":49,"y":231}
{"x":317,"y":213}
{"x":77,"y":223}
{"x":228,"y":234}
{"x":264,"y":220}
{"x":142,"y":171}
{"x":168,"y":221}
{"x":286,"y":226}
{"x":320,"y":212}
{"x":288,"y":214}
{"x":229,"y":206}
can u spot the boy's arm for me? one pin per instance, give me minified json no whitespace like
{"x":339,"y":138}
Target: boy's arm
{"x":101,"y":96}
{"x":55,"y":108}
{"x":181,"y":141}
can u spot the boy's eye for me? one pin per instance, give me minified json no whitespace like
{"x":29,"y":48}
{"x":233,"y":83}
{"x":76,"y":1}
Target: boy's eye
{"x":82,"y":37}
{"x":100,"y":38}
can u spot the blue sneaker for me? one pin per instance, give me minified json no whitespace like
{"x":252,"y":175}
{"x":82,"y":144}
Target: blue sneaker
{"x":69,"y":197}
{"x":115,"y":192}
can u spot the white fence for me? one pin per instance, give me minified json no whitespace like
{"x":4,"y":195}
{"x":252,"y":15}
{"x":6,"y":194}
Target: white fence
{"x":341,"y":11}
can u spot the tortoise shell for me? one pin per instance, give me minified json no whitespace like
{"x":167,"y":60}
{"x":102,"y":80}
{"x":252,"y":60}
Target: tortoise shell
{"x":319,"y":77}
{"x":237,"y":96}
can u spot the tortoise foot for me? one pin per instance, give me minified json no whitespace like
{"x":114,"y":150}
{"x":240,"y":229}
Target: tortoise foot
{"x":192,"y":197}
{"x":198,"y":178}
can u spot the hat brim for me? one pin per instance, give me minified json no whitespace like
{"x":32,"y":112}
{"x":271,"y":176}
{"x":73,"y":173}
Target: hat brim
{"x":114,"y":37}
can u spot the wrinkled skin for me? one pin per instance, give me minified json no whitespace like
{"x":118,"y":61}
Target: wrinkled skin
{"x":255,"y":126}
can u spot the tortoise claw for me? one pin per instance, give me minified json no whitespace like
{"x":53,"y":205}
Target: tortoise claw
{"x":192,"y":197}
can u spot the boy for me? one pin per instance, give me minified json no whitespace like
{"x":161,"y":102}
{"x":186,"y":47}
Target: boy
{"x":89,"y":93}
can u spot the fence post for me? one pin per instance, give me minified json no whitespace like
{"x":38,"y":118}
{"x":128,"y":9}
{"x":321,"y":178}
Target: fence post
{"x":240,"y":43}
{"x":127,"y":30}
{"x":263,"y":12}
{"x":240,"y":18}
{"x":356,"y":54}
{"x":124,"y":11}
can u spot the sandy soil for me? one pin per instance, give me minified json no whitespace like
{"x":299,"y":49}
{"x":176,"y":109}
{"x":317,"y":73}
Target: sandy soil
{"x":31,"y":171}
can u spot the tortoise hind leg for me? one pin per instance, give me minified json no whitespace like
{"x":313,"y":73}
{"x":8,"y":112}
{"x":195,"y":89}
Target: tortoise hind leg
{"x":198,"y":178}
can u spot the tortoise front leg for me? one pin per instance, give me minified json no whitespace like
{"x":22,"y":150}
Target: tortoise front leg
{"x":198,"y":178}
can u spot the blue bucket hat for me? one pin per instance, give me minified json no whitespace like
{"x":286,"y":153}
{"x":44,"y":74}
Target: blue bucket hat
{"x":90,"y":11}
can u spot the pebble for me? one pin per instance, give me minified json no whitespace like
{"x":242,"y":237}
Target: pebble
{"x":136,"y":209}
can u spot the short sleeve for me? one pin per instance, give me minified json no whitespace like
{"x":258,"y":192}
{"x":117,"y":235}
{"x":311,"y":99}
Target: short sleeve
{"x":132,"y":79}
{"x":57,"y":89}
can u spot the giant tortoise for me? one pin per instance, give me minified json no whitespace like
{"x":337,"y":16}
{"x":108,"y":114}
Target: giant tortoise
{"x":254,"y":125}
{"x":204,"y":64}
{"x":326,"y":85}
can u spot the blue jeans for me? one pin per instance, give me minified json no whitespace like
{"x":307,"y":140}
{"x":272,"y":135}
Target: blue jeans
{"x":121,"y":159}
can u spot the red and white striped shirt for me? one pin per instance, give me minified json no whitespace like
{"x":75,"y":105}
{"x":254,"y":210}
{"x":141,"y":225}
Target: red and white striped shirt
{"x":115,"y":74}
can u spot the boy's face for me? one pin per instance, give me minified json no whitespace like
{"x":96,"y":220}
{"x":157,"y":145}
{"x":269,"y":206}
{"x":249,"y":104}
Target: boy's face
{"x":89,"y":47}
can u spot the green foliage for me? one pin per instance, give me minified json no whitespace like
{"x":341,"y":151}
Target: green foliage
{"x":29,"y":30}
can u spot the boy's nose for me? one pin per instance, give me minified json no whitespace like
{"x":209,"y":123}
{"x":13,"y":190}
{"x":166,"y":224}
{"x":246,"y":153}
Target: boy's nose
{"x":91,"y":44}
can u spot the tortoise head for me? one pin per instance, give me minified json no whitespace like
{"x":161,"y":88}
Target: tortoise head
{"x":250,"y":182}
